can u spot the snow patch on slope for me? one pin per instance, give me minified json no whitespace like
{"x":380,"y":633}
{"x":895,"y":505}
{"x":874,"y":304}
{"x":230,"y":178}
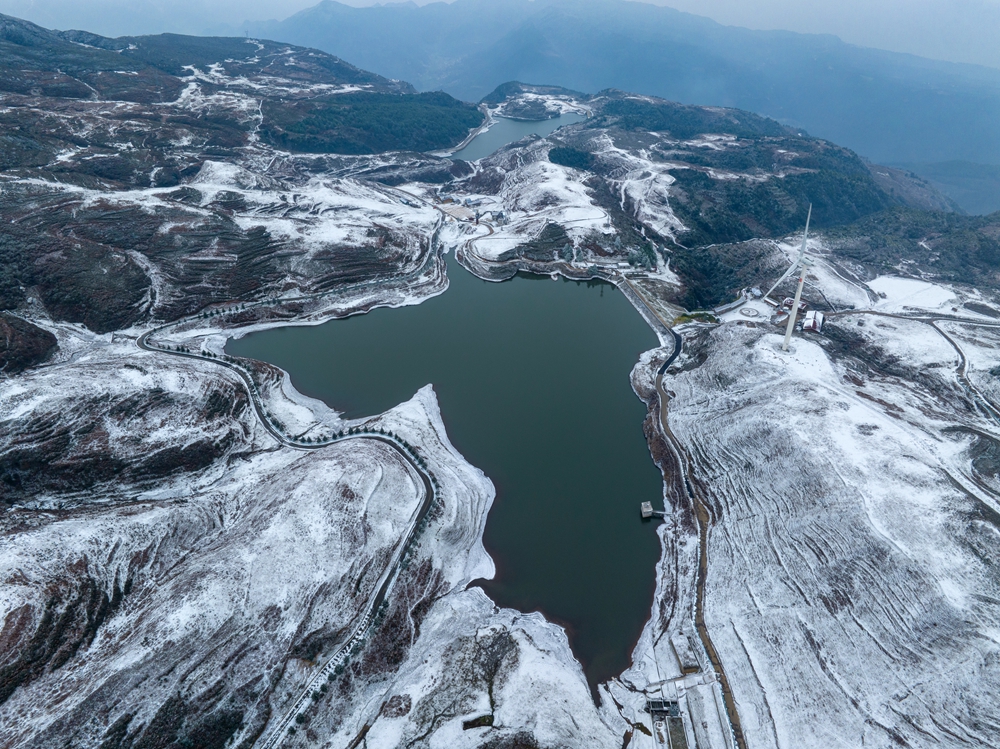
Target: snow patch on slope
{"x":910,"y":294}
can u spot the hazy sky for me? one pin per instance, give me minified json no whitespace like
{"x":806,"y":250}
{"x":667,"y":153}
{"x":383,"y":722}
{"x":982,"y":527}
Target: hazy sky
{"x":955,"y":30}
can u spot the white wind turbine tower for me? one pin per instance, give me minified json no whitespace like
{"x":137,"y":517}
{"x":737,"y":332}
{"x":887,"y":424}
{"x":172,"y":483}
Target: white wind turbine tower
{"x":801,"y":262}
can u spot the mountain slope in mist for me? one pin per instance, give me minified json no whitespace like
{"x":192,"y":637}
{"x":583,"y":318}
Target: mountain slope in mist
{"x":891,"y":108}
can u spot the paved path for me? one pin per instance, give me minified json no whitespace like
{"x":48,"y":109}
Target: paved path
{"x":280,"y":725}
{"x":279,"y":729}
{"x":704,"y":516}
{"x":653,"y":319}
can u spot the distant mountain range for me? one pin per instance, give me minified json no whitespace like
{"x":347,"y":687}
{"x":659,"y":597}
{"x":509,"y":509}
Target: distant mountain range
{"x":160,"y":114}
{"x":889,"y":107}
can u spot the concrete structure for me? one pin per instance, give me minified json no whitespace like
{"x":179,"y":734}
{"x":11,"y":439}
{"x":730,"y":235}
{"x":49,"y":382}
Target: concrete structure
{"x":668,"y":725}
{"x":647,"y":511}
{"x":736,"y":304}
{"x":686,"y":657}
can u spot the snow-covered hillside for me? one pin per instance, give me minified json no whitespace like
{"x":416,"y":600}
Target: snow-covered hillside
{"x":850,"y":588}
{"x":194,"y":554}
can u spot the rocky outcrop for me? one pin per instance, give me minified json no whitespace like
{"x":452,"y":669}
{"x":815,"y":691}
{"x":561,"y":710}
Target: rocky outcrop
{"x":22,"y":345}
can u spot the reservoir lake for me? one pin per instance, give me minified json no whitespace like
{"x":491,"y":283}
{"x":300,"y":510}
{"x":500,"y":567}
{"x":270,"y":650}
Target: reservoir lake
{"x":533,"y":380}
{"x":504,"y":131}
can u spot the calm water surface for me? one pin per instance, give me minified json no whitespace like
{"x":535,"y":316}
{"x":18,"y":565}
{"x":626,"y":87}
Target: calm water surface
{"x":505,"y":131}
{"x":533,"y":380}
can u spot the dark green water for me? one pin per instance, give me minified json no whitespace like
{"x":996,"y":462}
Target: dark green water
{"x":533,"y":380}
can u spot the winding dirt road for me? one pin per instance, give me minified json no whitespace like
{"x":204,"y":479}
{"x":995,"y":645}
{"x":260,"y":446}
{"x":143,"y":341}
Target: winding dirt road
{"x":992,"y":410}
{"x":704,"y":517}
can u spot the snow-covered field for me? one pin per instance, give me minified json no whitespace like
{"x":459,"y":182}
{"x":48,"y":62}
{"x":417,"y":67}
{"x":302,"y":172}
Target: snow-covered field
{"x":320,"y":213}
{"x":553,"y":104}
{"x":848,"y":561}
{"x":644,"y":184}
{"x":532,"y":192}
{"x":914,"y":345}
{"x":850,"y":591}
{"x":312,"y":220}
{"x":909,"y":294}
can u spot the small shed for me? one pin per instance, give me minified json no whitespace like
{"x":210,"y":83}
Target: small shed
{"x":787,"y":304}
{"x":813,"y":321}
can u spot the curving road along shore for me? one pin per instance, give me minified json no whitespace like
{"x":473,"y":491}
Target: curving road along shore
{"x":700,"y":508}
{"x":704,"y":518}
{"x":366,"y":619}
{"x":661,"y":327}
{"x":703,"y":514}
{"x":279,"y":727}
{"x":367,"y":616}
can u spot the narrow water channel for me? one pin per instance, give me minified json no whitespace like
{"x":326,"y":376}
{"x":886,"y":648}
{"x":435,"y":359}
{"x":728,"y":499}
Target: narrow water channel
{"x":533,"y":380}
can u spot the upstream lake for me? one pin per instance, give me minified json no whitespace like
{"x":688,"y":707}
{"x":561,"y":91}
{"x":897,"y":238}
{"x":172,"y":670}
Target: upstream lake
{"x":505,"y":131}
{"x":533,"y":380}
